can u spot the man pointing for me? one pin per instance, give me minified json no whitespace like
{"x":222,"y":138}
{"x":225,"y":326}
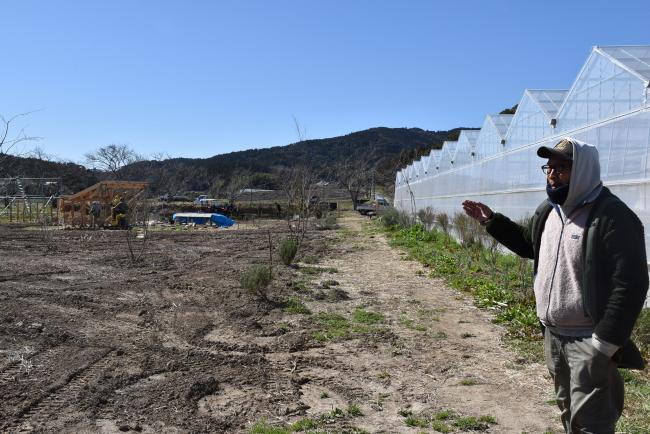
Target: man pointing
{"x":591,"y":279}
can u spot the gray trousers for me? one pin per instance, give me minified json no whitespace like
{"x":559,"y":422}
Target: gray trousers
{"x":588,"y":387}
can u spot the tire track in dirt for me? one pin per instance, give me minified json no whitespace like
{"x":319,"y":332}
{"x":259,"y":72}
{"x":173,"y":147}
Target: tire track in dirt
{"x":60,"y":394}
{"x":459,"y":363}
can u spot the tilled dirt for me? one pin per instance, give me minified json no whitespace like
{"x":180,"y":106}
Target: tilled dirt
{"x":91,"y":341}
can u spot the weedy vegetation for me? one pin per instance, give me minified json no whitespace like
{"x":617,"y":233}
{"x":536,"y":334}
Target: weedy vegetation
{"x":471,"y":262}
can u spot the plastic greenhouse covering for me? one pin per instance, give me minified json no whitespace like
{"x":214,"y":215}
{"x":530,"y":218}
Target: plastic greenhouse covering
{"x":608,"y":105}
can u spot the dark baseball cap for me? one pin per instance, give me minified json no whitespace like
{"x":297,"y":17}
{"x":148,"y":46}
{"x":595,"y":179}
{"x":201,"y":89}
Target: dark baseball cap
{"x":563,"y":150}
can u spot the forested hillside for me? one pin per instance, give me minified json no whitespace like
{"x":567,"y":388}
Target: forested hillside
{"x":382,"y":150}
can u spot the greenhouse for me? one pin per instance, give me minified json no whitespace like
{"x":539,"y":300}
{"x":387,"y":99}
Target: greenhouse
{"x":607,"y":106}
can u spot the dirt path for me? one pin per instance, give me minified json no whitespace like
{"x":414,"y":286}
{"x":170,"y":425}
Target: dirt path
{"x":447,"y":355}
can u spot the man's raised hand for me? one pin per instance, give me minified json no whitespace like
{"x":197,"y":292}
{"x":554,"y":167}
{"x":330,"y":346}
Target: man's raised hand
{"x":477,"y":210}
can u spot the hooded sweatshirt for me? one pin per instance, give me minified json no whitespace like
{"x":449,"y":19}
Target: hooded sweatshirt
{"x":558,"y":281}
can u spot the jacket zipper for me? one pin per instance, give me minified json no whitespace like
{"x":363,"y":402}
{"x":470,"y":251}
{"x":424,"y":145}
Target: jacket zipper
{"x":550,"y":290}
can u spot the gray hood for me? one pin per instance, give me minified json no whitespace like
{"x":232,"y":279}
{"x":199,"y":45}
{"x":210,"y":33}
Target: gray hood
{"x":585,"y":184}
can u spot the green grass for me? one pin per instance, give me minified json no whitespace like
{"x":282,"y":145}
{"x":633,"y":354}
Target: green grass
{"x":304,"y":425}
{"x":471,"y":423}
{"x":444,"y":415}
{"x":441,"y":421}
{"x":468,"y":382}
{"x":636,"y":417}
{"x":263,"y":427}
{"x":410,"y":324}
{"x":367,"y":317}
{"x":314,"y":271}
{"x":314,"y":425}
{"x":333,"y":326}
{"x":440,"y":426}
{"x":294,"y":306}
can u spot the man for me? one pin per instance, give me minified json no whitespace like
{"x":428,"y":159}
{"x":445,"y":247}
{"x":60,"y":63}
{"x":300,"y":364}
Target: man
{"x":591,"y":279}
{"x":119,"y":214}
{"x":95,"y":211}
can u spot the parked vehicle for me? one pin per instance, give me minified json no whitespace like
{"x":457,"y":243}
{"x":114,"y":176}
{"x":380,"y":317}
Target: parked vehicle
{"x":204,"y":200}
{"x":371,"y":208}
{"x":174,"y":198}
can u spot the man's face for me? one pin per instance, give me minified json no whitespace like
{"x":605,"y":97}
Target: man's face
{"x":559,"y":173}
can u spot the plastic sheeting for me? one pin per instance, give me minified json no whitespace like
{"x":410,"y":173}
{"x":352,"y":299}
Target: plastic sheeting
{"x":203,"y":218}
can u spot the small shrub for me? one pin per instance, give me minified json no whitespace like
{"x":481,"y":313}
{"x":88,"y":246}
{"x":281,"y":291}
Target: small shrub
{"x":327,"y":223}
{"x":440,"y":426}
{"x":487,"y":419}
{"x":288,"y":250}
{"x":327,"y":284}
{"x":256,"y":280}
{"x":354,"y":410}
{"x":310,"y":259}
{"x":406,"y":220}
{"x":470,"y":423}
{"x":444,"y":415}
{"x":426,"y":217}
{"x":337,"y":413}
{"x":416,"y":422}
{"x":404,"y":412}
{"x":468,"y":232}
{"x":443,"y":221}
{"x":390,"y":217}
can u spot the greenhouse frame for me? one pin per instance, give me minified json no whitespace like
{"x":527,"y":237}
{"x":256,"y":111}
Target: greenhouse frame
{"x":608,"y":105}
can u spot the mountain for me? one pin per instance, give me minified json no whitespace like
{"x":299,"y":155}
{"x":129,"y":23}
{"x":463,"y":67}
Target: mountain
{"x":384,"y":149}
{"x":74,"y":177}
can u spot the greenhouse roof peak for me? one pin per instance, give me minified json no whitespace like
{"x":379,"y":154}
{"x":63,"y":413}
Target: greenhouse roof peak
{"x":633,"y":58}
{"x":549,"y":100}
{"x":501,"y":123}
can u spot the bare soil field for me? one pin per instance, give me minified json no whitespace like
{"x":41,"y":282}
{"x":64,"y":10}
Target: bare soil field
{"x":92,"y":342}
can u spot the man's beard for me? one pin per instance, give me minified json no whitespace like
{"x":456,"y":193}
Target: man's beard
{"x":557,"y":195}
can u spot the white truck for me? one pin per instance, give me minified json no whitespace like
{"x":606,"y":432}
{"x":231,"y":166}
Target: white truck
{"x":204,"y":200}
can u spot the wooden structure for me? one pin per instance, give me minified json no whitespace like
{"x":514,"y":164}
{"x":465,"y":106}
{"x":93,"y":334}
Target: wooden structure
{"x":74,"y":209}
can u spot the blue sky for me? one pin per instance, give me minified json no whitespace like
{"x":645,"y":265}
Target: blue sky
{"x":199,"y":78}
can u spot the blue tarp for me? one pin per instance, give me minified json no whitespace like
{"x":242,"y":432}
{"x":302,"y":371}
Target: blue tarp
{"x":203,"y":218}
{"x":221,"y":220}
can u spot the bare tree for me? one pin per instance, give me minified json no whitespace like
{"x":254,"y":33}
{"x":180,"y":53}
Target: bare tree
{"x":356,"y":175}
{"x":239,"y":179}
{"x":297,"y":184}
{"x":8,"y":140}
{"x":40,"y":154}
{"x":217,"y":187}
{"x":112,"y":158}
